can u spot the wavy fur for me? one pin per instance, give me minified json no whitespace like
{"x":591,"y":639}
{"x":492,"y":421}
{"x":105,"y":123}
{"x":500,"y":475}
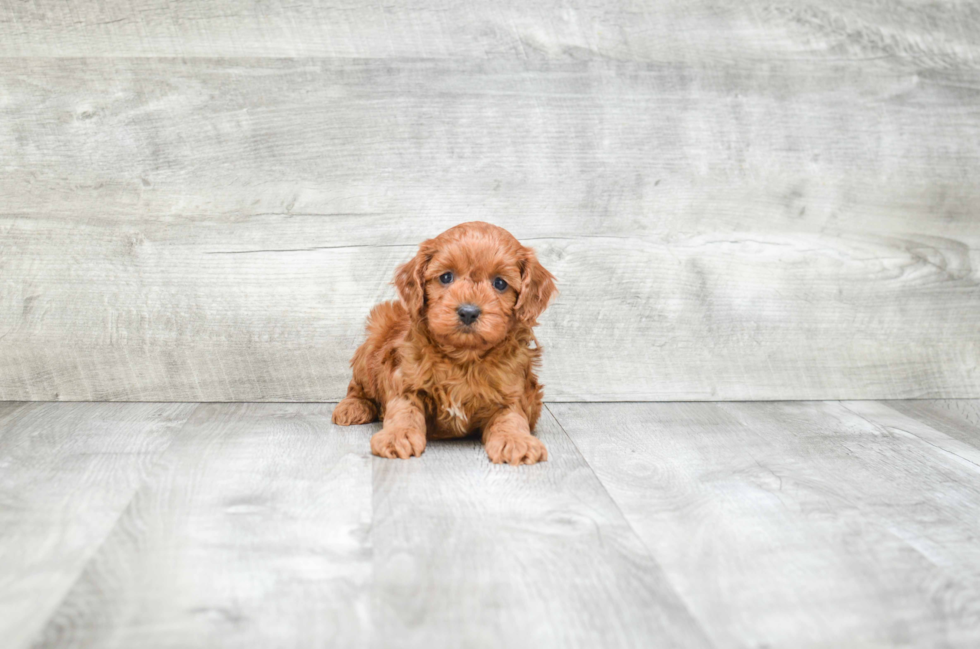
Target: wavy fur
{"x":426,"y":375}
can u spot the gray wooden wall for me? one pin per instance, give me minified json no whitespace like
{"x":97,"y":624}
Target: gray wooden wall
{"x":741,"y":199}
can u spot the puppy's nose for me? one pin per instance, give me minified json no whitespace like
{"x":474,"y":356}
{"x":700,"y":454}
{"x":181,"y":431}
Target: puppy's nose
{"x":468,"y":313}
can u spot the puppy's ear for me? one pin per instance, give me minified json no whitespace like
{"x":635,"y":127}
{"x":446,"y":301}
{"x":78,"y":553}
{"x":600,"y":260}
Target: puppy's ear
{"x":410,"y":279}
{"x":537,"y":288}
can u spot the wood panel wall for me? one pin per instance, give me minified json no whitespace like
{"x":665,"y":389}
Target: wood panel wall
{"x":741,"y":200}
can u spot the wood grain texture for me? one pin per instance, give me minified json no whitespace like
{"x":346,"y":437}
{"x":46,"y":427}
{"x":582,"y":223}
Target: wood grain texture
{"x":678,"y":524}
{"x":67,"y":471}
{"x":881,"y":414}
{"x":469,"y":554}
{"x":797,"y":524}
{"x":217,"y":229}
{"x":258,"y":527}
{"x":252,"y":531}
{"x":943,"y":33}
{"x":958,"y":418}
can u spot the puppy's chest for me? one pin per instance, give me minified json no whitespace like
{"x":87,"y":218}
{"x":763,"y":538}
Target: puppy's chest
{"x":462,"y":402}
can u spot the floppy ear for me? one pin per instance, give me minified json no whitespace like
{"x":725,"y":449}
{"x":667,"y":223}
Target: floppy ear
{"x":410,"y":280}
{"x":537,"y":288}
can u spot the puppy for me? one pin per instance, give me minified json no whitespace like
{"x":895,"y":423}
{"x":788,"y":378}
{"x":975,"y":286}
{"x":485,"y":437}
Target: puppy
{"x":456,"y":354}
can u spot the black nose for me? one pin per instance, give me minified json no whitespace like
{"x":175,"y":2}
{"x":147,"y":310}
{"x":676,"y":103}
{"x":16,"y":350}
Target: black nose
{"x":468,"y":313}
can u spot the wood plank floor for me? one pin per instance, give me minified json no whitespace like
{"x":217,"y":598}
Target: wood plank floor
{"x":781,"y":524}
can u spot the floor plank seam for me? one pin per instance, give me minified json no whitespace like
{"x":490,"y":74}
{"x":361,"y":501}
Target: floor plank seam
{"x":592,"y":470}
{"x":39,"y":637}
{"x":653,"y":557}
{"x":908,"y":432}
{"x":598,"y":479}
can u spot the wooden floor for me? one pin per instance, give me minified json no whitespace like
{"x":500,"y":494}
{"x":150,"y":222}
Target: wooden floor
{"x":780,"y":524}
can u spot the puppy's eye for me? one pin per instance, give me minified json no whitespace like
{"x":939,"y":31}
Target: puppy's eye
{"x":500,"y":284}
{"x":446,"y":278}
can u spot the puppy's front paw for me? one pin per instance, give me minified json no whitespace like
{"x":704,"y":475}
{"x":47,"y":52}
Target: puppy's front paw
{"x":398,"y":442}
{"x":516,"y":448}
{"x":354,"y":410}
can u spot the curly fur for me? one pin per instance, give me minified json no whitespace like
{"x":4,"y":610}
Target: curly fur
{"x":426,"y":375}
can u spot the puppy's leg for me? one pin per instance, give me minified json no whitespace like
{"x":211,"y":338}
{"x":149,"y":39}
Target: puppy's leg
{"x":355,"y":408}
{"x":403,"y":434}
{"x":507,"y":438}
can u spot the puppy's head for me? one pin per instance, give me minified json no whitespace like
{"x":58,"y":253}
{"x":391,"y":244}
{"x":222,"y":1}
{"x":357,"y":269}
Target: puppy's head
{"x":473,"y":284}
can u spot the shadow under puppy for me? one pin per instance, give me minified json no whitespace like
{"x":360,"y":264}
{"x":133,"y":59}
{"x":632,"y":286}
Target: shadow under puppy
{"x":454,"y":355}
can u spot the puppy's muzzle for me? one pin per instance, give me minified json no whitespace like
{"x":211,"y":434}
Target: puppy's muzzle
{"x":468,"y":313}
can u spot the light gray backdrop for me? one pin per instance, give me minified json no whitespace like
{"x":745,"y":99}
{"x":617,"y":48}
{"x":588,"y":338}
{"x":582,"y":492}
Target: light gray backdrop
{"x":741,"y":199}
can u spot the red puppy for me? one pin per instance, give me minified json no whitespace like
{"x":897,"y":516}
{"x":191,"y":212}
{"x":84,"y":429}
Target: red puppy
{"x":455,"y":354}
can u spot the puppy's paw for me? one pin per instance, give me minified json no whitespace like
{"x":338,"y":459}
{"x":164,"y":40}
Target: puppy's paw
{"x":354,"y":410}
{"x":398,"y":442}
{"x":516,"y":448}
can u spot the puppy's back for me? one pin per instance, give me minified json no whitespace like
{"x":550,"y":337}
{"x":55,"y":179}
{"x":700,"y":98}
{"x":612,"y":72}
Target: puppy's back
{"x":388,"y":320}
